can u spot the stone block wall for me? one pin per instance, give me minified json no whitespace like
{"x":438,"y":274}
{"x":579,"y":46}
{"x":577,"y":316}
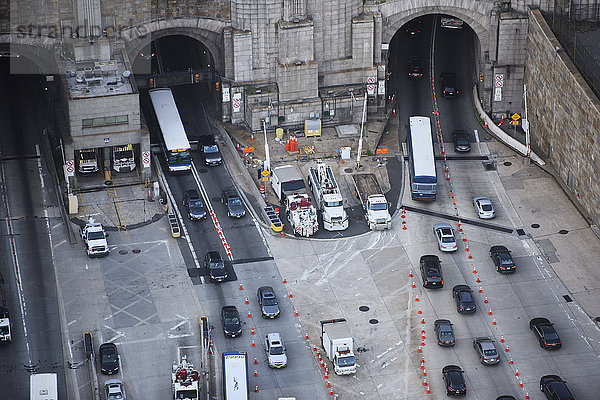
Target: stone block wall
{"x":363,"y":33}
{"x":298,"y":81}
{"x":564,"y":115}
{"x":296,"y":42}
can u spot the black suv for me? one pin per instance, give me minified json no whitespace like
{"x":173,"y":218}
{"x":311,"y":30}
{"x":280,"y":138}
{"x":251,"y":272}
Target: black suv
{"x":210,"y":150}
{"x":431,"y":271}
{"x":463,"y":295}
{"x":230,"y":318}
{"x":545,"y":333}
{"x":449,"y":85}
{"x":268,"y":302}
{"x":462,"y":143}
{"x":415,"y":70}
{"x":194,"y":204}
{"x":555,"y":388}
{"x":502,"y":259}
{"x":109,"y":359}
{"x":235,"y":206}
{"x":215,"y":265}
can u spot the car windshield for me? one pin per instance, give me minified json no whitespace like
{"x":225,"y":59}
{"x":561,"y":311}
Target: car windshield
{"x":95,"y":235}
{"x":346,"y":361}
{"x":216,"y":264}
{"x":232,"y":320}
{"x":445,"y":334}
{"x":486,"y":207}
{"x":109,"y":358}
{"x":234,"y":201}
{"x":211,"y":149}
{"x":506,"y":260}
{"x":269,"y":302}
{"x":490,"y":353}
{"x":461,"y":140}
{"x":549,"y":333}
{"x":276,"y":350}
{"x":196,"y":203}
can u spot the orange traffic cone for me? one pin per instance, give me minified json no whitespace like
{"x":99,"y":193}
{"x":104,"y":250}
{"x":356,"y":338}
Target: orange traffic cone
{"x":284,"y":280}
{"x":253,"y":344}
{"x":417,"y":298}
{"x":246,"y":301}
{"x":255,"y":373}
{"x":241,"y":287}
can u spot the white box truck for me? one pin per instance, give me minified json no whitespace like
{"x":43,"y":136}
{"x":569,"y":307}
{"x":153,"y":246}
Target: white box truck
{"x":43,"y":387}
{"x":286,"y":180}
{"x":339,"y":345}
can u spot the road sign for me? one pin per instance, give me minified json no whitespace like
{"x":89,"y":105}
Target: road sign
{"x":247,"y":149}
{"x":499,"y":80}
{"x":370,"y":90}
{"x":381,"y":88}
{"x":497,"y":94}
{"x":226,"y":95}
{"x":515,"y":117}
{"x":237,"y":100}
{"x":514,"y":122}
{"x":371,"y":79}
{"x":146,"y":159}
{"x":265,"y":173}
{"x":383,"y":150}
{"x":70,"y":167}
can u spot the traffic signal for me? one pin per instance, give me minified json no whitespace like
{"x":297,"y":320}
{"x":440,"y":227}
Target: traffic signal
{"x":217,"y":86}
{"x":151,"y":82}
{"x":196,"y":78}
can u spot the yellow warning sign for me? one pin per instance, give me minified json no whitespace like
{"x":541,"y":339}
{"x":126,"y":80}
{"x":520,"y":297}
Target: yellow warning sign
{"x":515,"y":117}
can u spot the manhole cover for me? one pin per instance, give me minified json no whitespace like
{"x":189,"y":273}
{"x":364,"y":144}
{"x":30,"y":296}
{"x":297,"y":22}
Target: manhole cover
{"x":373,"y":321}
{"x":203,"y":170}
{"x":535,"y":226}
{"x":108,"y":183}
{"x":363,"y":308}
{"x":507,"y":163}
{"x":136,"y":251}
{"x":563,"y":231}
{"x":122,"y":252}
{"x":348,"y":170}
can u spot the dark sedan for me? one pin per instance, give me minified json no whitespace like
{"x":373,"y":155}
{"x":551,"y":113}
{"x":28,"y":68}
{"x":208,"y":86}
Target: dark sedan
{"x":230,"y":318}
{"x":462,"y":143}
{"x":269,"y":308}
{"x":194,"y":204}
{"x":545,"y":333}
{"x":109,"y":359}
{"x":555,"y":388}
{"x":449,"y":86}
{"x":235,"y":206}
{"x":415,"y":69}
{"x":502,"y":259}
{"x":463,"y":295}
{"x":216,"y":266}
{"x":431,"y":271}
{"x":454,"y":380}
{"x":444,"y":332}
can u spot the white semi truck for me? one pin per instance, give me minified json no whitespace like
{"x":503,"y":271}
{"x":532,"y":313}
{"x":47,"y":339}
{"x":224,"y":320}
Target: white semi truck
{"x":339,"y":345}
{"x":5,"y":325}
{"x":328,"y":197}
{"x":373,"y":201}
{"x":185,"y":380}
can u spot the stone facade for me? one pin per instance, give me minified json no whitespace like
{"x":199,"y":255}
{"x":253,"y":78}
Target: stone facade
{"x":564,"y":115}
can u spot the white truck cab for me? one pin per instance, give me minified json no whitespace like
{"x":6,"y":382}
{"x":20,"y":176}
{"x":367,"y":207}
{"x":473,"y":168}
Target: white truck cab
{"x":94,"y":237}
{"x":377,"y":213}
{"x":123,"y":159}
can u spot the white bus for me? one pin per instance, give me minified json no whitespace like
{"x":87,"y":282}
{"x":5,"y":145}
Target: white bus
{"x":235,"y":376}
{"x":175,"y":142}
{"x":43,"y":387}
{"x":422,"y":159}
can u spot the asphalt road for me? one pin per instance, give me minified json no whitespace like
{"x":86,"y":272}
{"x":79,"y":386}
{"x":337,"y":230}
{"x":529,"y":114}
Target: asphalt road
{"x":37,"y":344}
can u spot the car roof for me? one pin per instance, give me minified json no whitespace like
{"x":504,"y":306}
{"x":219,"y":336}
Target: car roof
{"x":274,"y":336}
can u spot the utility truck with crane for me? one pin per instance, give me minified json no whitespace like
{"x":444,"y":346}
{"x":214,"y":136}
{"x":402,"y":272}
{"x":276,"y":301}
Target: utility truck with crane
{"x":373,"y":201}
{"x":185,"y":380}
{"x":301,"y":214}
{"x":339,"y":345}
{"x":328,"y":197}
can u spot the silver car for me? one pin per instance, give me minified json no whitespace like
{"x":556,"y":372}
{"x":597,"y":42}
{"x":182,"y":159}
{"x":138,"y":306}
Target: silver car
{"x":275,"y":350}
{"x":114,"y":389}
{"x":488,"y":354}
{"x":445,"y":237}
{"x":483,"y":207}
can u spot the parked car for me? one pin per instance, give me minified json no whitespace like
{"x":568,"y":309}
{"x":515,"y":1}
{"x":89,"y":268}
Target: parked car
{"x":545,"y":333}
{"x":444,"y":332}
{"x":235,"y":206}
{"x":483,"y":207}
{"x":415,"y":69}
{"x":462,"y":142}
{"x":454,"y":380}
{"x":431,"y":271}
{"x":210,"y":150}
{"x":269,"y":308}
{"x":275,"y":349}
{"x":445,"y":237}
{"x":114,"y":389}
{"x":215,"y":265}
{"x":194,"y":204}
{"x":463,"y":295}
{"x":488,"y":353}
{"x":555,"y":388}
{"x":502,"y":259}
{"x":449,"y":85}
{"x":230,"y":319}
{"x":109,"y":359}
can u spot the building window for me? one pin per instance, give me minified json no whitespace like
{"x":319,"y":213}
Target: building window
{"x":104,"y":121}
